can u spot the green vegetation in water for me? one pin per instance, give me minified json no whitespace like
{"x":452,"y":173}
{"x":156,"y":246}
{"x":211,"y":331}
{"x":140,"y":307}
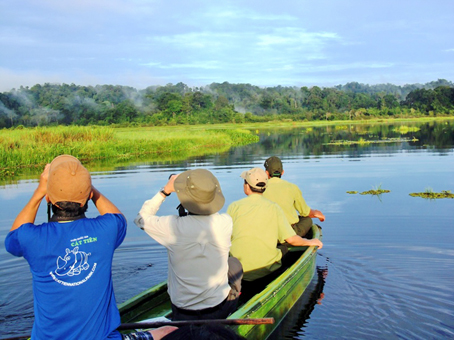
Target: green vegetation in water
{"x":375,"y":191}
{"x":430,"y":194}
{"x":362,"y":141}
{"x":33,"y":148}
{"x":404,"y":129}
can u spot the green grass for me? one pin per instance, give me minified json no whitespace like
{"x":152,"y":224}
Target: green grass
{"x":33,"y":148}
{"x":29,"y":149}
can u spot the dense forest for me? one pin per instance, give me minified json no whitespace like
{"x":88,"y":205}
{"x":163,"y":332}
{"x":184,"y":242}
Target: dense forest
{"x":63,"y":104}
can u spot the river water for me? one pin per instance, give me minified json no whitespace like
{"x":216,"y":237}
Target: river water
{"x":386,"y":270}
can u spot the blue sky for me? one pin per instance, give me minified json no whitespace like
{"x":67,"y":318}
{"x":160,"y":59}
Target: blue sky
{"x":141,"y":43}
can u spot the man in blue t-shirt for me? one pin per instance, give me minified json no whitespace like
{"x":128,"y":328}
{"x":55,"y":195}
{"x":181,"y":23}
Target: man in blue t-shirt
{"x":70,"y":256}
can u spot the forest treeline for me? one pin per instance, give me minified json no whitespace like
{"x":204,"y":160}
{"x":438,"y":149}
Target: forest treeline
{"x":63,"y":104}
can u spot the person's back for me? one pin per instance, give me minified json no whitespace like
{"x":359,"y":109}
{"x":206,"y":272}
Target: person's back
{"x":288,"y":196}
{"x":290,"y":199}
{"x":71,"y":268}
{"x":198,"y":257}
{"x":203,"y":281}
{"x":258,"y":225}
{"x":70,"y":256}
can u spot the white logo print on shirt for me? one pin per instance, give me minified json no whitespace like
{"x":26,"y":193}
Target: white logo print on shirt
{"x":73,"y":263}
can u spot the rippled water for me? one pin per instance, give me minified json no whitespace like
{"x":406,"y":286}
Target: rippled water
{"x":386,"y":270}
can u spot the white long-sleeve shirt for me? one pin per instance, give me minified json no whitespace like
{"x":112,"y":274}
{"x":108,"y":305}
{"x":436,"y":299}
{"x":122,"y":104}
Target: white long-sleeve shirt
{"x":198,"y":250}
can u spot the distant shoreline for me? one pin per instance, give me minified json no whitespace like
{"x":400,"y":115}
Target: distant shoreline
{"x":27,"y":150}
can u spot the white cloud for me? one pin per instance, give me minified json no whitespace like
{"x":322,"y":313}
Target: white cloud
{"x":131,"y":42}
{"x":240,"y":14}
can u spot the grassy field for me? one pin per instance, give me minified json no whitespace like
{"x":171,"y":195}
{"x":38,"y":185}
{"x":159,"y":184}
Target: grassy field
{"x":29,"y":149}
{"x":33,"y":148}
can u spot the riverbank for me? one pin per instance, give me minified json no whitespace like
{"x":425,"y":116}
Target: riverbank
{"x":29,"y":149}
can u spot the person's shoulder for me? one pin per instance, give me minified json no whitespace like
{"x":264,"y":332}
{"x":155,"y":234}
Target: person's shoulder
{"x":29,"y":228}
{"x":271,"y":205}
{"x":223,"y":216}
{"x":279,"y":182}
{"x":238,"y":202}
{"x":266,"y":200}
{"x":21,"y":238}
{"x":222,"y":221}
{"x":112,"y":217}
{"x":235,"y":206}
{"x":286,"y":182}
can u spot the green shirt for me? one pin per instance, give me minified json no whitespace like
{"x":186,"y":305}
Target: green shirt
{"x":258,"y":224}
{"x":289,"y":198}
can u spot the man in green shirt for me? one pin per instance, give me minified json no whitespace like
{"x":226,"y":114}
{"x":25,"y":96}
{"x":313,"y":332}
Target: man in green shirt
{"x":258,"y":225}
{"x":289,"y":198}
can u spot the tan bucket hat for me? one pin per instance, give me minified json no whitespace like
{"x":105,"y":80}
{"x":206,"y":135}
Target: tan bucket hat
{"x":199,"y":192}
{"x":69,"y":181}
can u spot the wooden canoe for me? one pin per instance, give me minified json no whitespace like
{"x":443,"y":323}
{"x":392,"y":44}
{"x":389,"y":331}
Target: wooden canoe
{"x":274,"y":301}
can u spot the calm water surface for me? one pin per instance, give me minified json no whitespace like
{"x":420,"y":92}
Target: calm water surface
{"x":386,"y":270}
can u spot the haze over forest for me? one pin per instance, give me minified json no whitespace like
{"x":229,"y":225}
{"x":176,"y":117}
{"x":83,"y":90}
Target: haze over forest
{"x":70,"y":104}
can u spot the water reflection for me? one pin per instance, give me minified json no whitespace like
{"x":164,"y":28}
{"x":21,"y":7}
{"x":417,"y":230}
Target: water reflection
{"x":294,"y":325}
{"x":316,"y":141}
{"x":306,"y":143}
{"x":390,"y":261}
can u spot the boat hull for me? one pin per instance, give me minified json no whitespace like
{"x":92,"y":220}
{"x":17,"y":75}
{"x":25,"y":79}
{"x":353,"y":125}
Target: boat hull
{"x":274,"y":301}
{"x":279,"y":296}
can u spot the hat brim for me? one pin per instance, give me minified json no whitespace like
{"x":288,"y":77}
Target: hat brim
{"x":188,"y":202}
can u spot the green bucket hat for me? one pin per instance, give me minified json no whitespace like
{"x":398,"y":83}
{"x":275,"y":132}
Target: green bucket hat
{"x":199,"y":192}
{"x":273,"y":165}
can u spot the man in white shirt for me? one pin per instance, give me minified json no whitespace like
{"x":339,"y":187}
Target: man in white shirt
{"x":203,"y":281}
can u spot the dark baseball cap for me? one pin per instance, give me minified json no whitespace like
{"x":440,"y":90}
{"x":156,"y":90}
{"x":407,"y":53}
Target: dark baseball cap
{"x":273,"y":165}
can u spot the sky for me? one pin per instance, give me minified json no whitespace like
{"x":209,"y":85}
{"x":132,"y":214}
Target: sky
{"x":142,"y":43}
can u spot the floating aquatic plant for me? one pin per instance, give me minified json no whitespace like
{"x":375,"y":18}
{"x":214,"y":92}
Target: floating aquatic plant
{"x":430,"y":194}
{"x":375,"y":191}
{"x":404,"y":129}
{"x":352,"y":192}
{"x":362,"y":141}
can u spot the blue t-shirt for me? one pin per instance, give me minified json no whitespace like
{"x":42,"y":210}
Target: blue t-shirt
{"x":72,"y":282}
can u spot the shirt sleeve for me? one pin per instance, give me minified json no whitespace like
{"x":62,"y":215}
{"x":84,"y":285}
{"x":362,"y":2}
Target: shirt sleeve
{"x":122,"y":227}
{"x":231,"y":209}
{"x":300,"y":204}
{"x":285,"y":230}
{"x":155,"y":226}
{"x":12,"y":243}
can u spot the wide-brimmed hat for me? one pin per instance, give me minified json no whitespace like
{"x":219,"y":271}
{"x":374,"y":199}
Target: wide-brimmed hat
{"x":69,"y":181}
{"x":199,"y":192}
{"x":273,"y":165}
{"x":256,"y":177}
